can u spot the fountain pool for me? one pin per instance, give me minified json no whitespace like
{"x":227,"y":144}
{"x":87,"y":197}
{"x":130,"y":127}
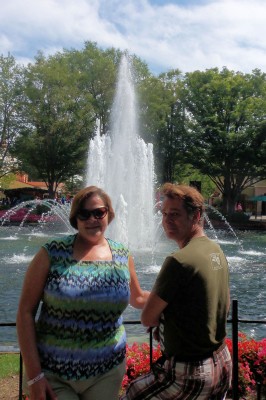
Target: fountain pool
{"x":247,"y":274}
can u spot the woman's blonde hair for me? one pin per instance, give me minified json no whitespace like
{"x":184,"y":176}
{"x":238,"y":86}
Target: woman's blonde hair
{"x":84,"y":194}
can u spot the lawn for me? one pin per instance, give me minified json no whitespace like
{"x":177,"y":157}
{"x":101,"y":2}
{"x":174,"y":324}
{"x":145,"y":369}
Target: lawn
{"x":9,"y":364}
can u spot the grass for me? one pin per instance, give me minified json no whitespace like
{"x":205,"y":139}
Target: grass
{"x":9,"y":364}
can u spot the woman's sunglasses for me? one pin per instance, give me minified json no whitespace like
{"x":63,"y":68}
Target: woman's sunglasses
{"x":98,"y":213}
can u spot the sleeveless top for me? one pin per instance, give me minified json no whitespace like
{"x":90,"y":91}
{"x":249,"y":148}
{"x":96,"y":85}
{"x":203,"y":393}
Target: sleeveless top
{"x":79,"y":331}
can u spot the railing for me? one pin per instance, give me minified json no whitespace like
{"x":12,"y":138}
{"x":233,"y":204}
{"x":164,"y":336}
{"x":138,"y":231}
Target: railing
{"x":234,"y":321}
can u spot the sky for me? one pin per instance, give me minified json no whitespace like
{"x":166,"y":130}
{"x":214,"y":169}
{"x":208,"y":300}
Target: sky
{"x":187,"y":35}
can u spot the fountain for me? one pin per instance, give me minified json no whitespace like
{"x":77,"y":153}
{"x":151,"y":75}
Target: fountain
{"x":122,"y":164}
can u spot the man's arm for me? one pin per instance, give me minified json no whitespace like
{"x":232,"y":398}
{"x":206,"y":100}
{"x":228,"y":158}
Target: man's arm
{"x":152,"y":310}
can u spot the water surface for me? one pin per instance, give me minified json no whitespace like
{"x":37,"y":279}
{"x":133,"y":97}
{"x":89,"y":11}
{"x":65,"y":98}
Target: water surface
{"x":245,"y":254}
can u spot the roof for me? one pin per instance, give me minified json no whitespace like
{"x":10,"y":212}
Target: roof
{"x":23,"y":185}
{"x":39,"y":185}
{"x":30,"y":185}
{"x":258,"y":198}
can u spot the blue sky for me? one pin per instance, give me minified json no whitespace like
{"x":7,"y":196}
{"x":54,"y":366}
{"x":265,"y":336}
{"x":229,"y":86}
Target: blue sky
{"x":183,"y":34}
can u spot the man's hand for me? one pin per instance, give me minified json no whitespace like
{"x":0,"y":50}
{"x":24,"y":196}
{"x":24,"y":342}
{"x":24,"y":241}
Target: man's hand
{"x":155,"y":330}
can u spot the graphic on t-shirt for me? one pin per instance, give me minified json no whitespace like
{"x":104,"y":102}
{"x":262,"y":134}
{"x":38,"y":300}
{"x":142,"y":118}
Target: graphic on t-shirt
{"x":216,"y":261}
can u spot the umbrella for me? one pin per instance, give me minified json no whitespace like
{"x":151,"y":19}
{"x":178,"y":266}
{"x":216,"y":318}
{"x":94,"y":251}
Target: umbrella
{"x":258,"y":198}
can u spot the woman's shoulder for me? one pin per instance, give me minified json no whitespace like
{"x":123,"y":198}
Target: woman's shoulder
{"x":117,"y":245}
{"x":63,"y":241}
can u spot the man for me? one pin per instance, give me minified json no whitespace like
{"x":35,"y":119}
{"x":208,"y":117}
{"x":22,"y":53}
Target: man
{"x":188,"y":304}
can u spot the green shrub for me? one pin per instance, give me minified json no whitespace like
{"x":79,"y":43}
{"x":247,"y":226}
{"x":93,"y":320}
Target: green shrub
{"x":238,"y":217}
{"x":40,"y":209}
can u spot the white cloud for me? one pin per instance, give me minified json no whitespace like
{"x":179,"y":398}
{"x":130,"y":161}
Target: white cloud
{"x":171,"y":34}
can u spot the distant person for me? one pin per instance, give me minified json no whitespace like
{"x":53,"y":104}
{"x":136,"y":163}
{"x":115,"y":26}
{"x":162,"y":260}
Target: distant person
{"x":76,"y":349}
{"x":188,"y":305}
{"x":238,"y":207}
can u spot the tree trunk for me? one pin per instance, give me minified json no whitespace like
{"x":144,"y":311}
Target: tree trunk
{"x":51,"y":191}
{"x":229,"y":197}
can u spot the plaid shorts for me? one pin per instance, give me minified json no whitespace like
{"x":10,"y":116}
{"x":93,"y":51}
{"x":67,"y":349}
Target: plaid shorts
{"x":170,"y":379}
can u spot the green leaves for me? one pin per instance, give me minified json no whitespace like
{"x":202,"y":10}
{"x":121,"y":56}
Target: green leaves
{"x":225,"y":114}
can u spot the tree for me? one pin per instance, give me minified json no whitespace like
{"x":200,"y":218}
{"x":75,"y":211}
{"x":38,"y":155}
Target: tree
{"x":163,"y":120}
{"x":11,"y":96}
{"x":60,"y":120}
{"x":225,"y":135}
{"x":96,"y":75}
{"x":6,"y":180}
{"x":98,"y":70}
{"x":187,"y":174}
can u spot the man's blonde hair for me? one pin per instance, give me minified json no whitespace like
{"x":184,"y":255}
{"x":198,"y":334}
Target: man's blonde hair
{"x":192,"y":198}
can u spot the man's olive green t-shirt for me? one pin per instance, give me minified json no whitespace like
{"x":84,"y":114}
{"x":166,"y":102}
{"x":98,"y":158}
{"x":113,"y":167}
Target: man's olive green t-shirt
{"x":194,"y":282}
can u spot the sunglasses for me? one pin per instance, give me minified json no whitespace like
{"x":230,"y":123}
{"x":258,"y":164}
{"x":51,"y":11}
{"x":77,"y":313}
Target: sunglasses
{"x":97,"y":213}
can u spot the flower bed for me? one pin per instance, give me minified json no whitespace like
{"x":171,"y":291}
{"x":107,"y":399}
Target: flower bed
{"x":25,"y":215}
{"x":251,"y":363}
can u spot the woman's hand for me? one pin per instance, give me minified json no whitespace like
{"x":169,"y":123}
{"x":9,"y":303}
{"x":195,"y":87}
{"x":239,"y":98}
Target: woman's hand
{"x":138,"y":297}
{"x":41,"y":390}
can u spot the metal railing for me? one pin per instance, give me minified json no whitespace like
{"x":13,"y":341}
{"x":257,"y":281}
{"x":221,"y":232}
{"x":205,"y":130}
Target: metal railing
{"x":234,"y":321}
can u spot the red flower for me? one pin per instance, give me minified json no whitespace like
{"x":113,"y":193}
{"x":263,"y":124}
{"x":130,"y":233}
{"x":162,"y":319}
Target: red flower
{"x":251,"y":362}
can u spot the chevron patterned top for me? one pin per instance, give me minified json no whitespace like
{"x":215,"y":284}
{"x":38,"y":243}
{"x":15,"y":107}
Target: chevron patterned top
{"x":80,"y":331}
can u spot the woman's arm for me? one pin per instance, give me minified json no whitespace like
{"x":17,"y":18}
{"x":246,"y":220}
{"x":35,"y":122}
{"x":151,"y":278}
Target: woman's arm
{"x":31,"y":295}
{"x":152,"y":311}
{"x":138,"y":297}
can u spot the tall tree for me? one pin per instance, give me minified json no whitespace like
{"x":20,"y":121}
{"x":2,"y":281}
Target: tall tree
{"x":225,"y":134}
{"x":61,"y":122}
{"x":11,"y":96}
{"x":163,"y":120}
{"x":189,"y":175}
{"x":97,"y":70}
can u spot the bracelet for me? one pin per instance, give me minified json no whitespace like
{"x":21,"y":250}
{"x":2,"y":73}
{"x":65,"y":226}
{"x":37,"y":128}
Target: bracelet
{"x":36,"y":379}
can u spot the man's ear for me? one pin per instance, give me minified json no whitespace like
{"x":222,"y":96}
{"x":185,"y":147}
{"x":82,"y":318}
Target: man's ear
{"x":196,"y":217}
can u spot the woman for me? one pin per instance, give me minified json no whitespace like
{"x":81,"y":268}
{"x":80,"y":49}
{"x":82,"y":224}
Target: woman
{"x":76,"y":349}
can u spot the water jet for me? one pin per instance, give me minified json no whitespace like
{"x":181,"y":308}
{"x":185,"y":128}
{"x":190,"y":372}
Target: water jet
{"x":123,"y":165}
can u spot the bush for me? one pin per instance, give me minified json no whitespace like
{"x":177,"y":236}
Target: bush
{"x":40,"y":209}
{"x":238,"y":217}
